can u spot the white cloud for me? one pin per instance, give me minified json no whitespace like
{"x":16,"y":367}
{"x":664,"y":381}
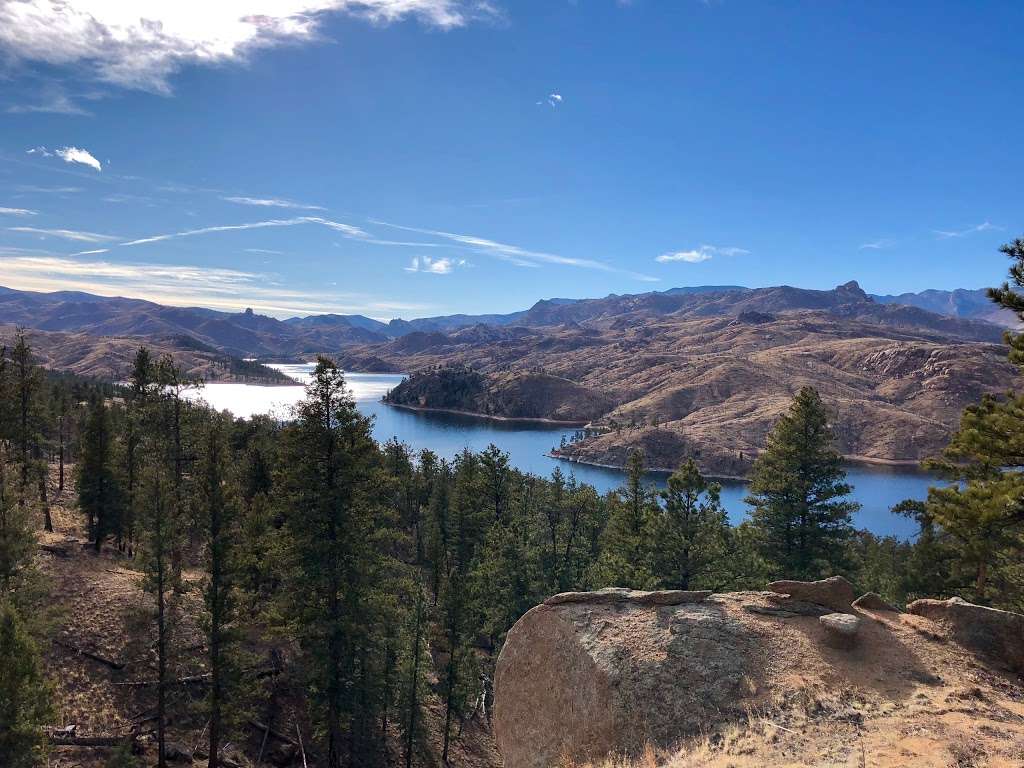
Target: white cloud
{"x":55,"y":102}
{"x":65,"y":234}
{"x":185,"y":285}
{"x":985,"y":226}
{"x":442,"y":266}
{"x":141,"y":44}
{"x":878,"y":245}
{"x":554,"y":99}
{"x":345,"y":229}
{"x":48,"y":190}
{"x":77,"y":155}
{"x":43,"y":151}
{"x":272,"y":203}
{"x":697,"y":255}
{"x":521,"y":257}
{"x":17,"y":212}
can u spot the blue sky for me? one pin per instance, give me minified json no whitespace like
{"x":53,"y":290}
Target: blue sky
{"x":418,"y":157}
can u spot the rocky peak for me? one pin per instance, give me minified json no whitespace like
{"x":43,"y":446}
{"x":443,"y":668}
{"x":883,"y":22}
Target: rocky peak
{"x":852,"y":292}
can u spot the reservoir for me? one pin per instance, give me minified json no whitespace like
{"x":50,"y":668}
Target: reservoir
{"x":876,"y":488}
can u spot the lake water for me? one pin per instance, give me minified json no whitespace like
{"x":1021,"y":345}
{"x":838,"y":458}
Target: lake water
{"x":877,"y":489}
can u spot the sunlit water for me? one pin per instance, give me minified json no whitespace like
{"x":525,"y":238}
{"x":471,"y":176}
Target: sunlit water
{"x":877,"y":489}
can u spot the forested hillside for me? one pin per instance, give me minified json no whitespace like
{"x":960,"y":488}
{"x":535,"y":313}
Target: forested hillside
{"x":232,"y":590}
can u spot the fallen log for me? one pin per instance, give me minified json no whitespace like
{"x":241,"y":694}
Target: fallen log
{"x":189,"y":680}
{"x":276,"y":734}
{"x":58,"y":740}
{"x":53,"y":549}
{"x":89,"y":654}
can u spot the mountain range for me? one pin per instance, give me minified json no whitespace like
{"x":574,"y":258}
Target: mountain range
{"x":247,"y":334}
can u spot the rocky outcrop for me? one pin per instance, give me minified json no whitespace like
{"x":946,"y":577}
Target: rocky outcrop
{"x":586,"y":675}
{"x":841,"y":627}
{"x":872,"y":601}
{"x":583,"y":677}
{"x":999,"y":635}
{"x":835,"y":592}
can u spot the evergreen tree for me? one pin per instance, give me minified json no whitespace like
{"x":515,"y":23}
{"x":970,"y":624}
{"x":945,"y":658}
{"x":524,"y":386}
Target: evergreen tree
{"x":217,"y":523}
{"x":17,"y":542}
{"x":413,"y":676}
{"x":692,"y":537}
{"x":330,"y":476}
{"x":797,"y":487}
{"x":99,"y":490}
{"x":25,"y":387}
{"x":24,"y":694}
{"x":626,"y":558}
{"x":161,"y":525}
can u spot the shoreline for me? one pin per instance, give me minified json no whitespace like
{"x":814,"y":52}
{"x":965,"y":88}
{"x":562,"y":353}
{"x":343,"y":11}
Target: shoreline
{"x":489,"y":417}
{"x":866,"y":461}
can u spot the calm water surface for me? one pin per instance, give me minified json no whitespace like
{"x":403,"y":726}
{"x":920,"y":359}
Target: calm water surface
{"x":877,"y":489}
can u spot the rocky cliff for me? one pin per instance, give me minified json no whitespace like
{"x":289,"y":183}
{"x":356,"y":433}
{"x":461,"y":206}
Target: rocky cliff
{"x":758,"y":678}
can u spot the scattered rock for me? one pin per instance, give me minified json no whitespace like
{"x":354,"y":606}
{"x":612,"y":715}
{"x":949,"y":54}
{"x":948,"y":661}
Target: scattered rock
{"x":988,"y":631}
{"x":621,"y":595}
{"x":872,"y":601}
{"x":177,"y":753}
{"x":842,"y":626}
{"x":582,"y":678}
{"x":835,"y":592}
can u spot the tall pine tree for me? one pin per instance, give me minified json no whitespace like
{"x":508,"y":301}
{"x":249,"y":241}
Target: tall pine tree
{"x":798,"y":489}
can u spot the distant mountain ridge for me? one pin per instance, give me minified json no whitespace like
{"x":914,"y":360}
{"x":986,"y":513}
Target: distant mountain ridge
{"x":964,"y":314}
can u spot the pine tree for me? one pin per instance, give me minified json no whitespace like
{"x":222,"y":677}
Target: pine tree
{"x":17,"y":542}
{"x":99,"y":489}
{"x":24,"y":694}
{"x":627,"y":551}
{"x":797,"y":487}
{"x":217,"y":524}
{"x":693,"y":534}
{"x":25,"y":390}
{"x":413,"y":677}
{"x":330,"y":479}
{"x":161,"y":526}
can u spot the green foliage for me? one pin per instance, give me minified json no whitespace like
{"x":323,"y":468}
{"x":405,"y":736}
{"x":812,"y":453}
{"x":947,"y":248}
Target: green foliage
{"x":17,"y":541}
{"x":24,"y":694}
{"x":99,"y":489}
{"x":692,"y":535}
{"x":796,"y":489}
{"x":627,"y":552}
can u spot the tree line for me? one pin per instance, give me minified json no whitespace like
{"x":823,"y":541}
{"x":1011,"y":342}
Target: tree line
{"x":357,"y":582}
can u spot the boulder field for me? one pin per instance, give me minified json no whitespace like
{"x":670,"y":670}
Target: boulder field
{"x":614,"y":672}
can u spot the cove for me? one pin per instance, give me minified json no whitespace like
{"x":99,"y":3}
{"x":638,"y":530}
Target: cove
{"x":876,"y":488}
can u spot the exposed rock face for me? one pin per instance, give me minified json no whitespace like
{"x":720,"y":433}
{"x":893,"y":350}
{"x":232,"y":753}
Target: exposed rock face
{"x":872,"y":601}
{"x":585,"y":677}
{"x":994,"y":633}
{"x":835,"y":592}
{"x":621,"y":595}
{"x":842,"y":625}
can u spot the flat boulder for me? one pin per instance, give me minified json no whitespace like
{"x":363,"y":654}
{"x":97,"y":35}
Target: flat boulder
{"x":594,"y":674}
{"x":872,"y":601}
{"x":999,"y":635}
{"x":835,"y":592}
{"x":841,"y":626}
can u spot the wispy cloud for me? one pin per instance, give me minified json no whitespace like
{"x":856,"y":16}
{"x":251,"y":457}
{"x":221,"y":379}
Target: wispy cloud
{"x":17,"y":212}
{"x":271,"y":202}
{"x":78,"y":155}
{"x":48,"y":190}
{"x":878,"y":245}
{"x":142,"y":46}
{"x":68,"y":154}
{"x":514,"y":254}
{"x":703,"y":253}
{"x":442,"y":266}
{"x":55,"y":102}
{"x":65,"y":234}
{"x":186,"y":285}
{"x":345,"y":229}
{"x":985,"y":226}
